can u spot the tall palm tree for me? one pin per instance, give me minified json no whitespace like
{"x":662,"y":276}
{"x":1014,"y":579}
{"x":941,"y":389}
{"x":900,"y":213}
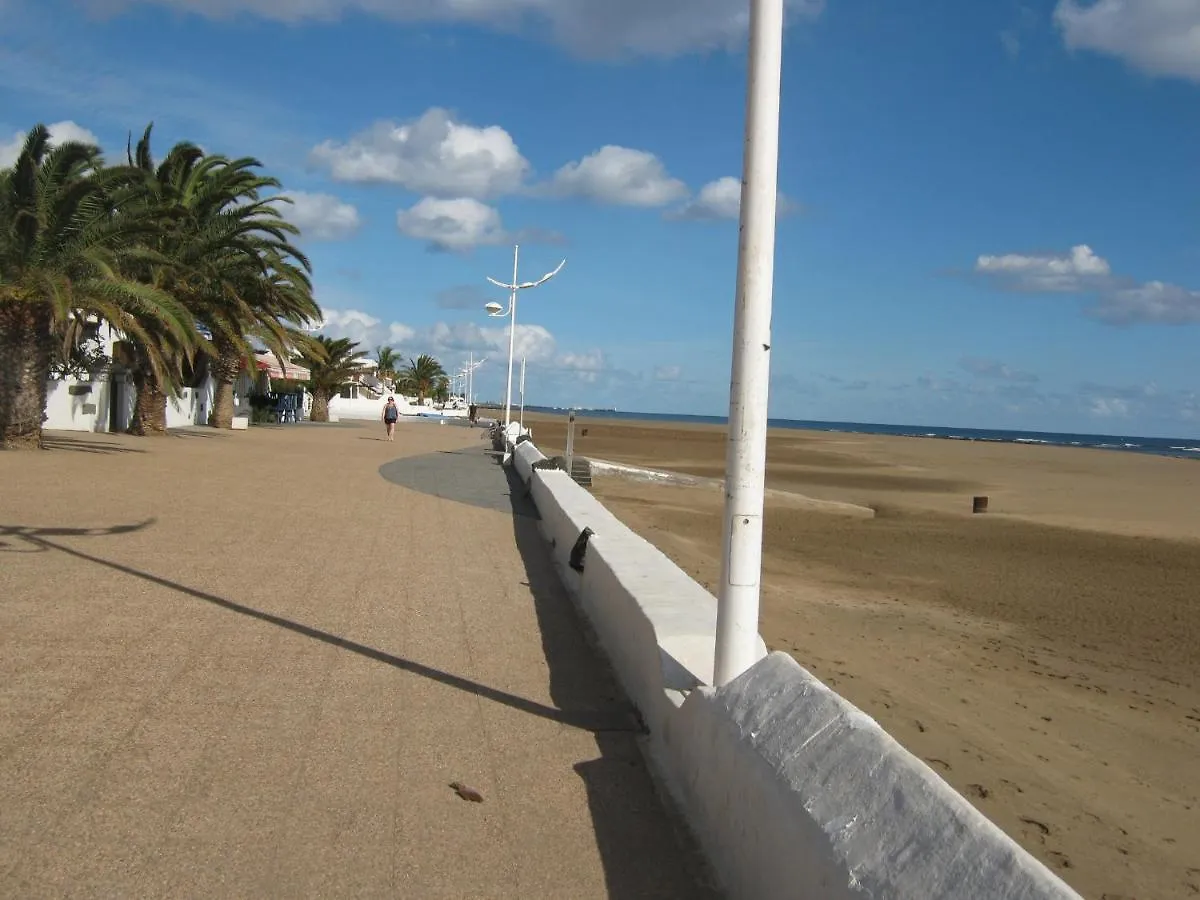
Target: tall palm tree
{"x":331,"y":363}
{"x":422,"y":376}
{"x":65,"y":240}
{"x":229,"y":256}
{"x":388,"y":361}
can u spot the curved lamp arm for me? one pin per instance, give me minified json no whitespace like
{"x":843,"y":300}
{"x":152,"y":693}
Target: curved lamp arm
{"x":543,"y":279}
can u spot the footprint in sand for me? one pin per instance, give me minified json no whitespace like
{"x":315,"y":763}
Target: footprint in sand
{"x":938,"y":763}
{"x":978,"y":791}
{"x":1060,"y":859}
{"x":1043,"y":830}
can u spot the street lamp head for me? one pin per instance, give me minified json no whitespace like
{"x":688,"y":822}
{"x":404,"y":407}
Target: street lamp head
{"x":494,"y":308}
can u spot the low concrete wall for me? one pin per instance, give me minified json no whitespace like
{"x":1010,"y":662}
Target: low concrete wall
{"x":525,"y":456}
{"x":792,"y":791}
{"x":796,"y":793}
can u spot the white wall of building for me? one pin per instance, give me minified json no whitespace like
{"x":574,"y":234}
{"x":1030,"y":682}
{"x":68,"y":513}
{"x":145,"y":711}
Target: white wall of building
{"x":74,"y":405}
{"x":79,"y":405}
{"x":363,"y":407}
{"x":192,"y":406}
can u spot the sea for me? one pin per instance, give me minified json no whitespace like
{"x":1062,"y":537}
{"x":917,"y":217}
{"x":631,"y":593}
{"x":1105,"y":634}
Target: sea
{"x":1186,"y":448}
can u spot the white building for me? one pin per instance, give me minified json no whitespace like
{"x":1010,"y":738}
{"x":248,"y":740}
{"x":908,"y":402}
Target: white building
{"x":103,"y":400}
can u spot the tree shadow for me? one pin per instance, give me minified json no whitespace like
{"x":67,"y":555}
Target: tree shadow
{"x":82,"y":445}
{"x":37,"y":540}
{"x":645,"y":848}
{"x":198,"y":431}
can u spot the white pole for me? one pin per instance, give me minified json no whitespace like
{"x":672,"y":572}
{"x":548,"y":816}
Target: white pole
{"x":471,"y":378}
{"x":522,"y":393}
{"x":512,"y":335}
{"x":745,"y":464}
{"x":511,"y":313}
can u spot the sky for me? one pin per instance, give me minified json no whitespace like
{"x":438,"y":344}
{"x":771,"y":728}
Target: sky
{"x":989,"y":212}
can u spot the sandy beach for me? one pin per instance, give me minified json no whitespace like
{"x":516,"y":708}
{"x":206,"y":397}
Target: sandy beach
{"x":1044,"y":658}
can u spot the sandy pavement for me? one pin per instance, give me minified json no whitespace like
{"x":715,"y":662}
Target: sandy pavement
{"x":246,"y":664}
{"x":1044,"y":658}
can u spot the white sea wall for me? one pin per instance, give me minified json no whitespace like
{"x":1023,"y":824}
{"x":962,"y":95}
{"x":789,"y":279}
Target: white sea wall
{"x":792,"y":791}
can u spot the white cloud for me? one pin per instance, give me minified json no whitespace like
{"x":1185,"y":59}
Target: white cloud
{"x":992,"y":368}
{"x":1146,"y":402}
{"x":618,"y":175}
{"x":365,"y":329}
{"x":1114,"y":299}
{"x":588,"y":28}
{"x":722,"y":199}
{"x":433,"y":155}
{"x":459,"y":224}
{"x":60,"y":133}
{"x":1153,"y":302}
{"x":454,"y":225}
{"x":1109,"y":407}
{"x":668,"y":373}
{"x":451,"y":342}
{"x":533,"y":342}
{"x":1160,"y":37}
{"x":587,"y":367}
{"x":321,"y":216}
{"x":1046,"y":272}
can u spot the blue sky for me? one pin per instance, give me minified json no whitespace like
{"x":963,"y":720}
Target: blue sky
{"x":992,"y":210}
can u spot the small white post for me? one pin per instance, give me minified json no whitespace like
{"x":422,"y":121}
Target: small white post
{"x":522,"y":395}
{"x":745,"y":464}
{"x":570,"y":452}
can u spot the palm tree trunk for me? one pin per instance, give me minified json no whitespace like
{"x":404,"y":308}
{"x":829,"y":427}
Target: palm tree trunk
{"x":225,"y":372}
{"x":320,"y":408}
{"x":150,"y":407}
{"x":24,"y":369}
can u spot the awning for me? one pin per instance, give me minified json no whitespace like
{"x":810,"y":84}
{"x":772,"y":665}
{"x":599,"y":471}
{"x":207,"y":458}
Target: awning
{"x":271,"y":366}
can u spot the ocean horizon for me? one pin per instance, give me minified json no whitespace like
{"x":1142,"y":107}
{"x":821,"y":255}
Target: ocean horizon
{"x":1183,"y":448}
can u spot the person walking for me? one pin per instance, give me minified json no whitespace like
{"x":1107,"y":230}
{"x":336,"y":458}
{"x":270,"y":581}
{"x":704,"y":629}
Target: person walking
{"x":391,"y":413}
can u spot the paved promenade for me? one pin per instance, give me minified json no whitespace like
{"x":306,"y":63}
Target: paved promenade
{"x":250,"y":664}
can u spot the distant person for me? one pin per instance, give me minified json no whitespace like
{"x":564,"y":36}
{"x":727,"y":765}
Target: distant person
{"x":391,"y":412}
{"x":472,"y":411}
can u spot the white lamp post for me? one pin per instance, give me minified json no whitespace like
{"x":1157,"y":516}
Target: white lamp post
{"x":497,"y":312}
{"x":522,"y":421}
{"x":745,"y":464}
{"x":472,"y":365}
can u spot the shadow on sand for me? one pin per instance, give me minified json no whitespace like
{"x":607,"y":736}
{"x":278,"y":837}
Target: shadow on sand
{"x":82,"y":445}
{"x":646,"y":849}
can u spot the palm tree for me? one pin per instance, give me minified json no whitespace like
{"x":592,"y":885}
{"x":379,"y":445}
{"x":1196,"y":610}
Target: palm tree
{"x":229,"y":258}
{"x":331,"y":363}
{"x":388,"y":361}
{"x":422,"y":376}
{"x":65,"y":244}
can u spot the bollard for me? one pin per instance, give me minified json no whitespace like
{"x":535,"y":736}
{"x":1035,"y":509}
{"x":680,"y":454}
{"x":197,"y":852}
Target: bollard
{"x":570,"y":452}
{"x":979,"y":505}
